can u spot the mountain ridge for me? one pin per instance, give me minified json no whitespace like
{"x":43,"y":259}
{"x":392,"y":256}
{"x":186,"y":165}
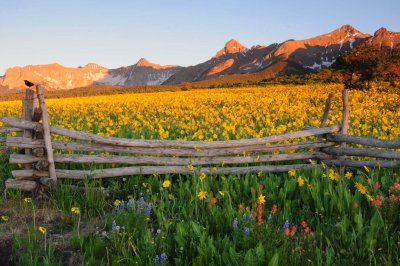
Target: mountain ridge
{"x":288,"y":57}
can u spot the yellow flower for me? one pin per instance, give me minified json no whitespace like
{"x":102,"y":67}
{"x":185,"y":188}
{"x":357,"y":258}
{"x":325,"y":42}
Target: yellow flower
{"x":42,"y":230}
{"x":75,"y":210}
{"x":366,"y":168}
{"x":214,"y":169}
{"x":261,"y":199}
{"x":360,"y":187}
{"x":348,"y":175}
{"x":202,"y":177}
{"x":292,"y":172}
{"x":190,"y":167}
{"x":259,"y":173}
{"x":27,"y":200}
{"x":166,"y":183}
{"x":300,"y":181}
{"x":312,"y":161}
{"x":333,"y":175}
{"x":202,"y":195}
{"x":4,"y":218}
{"x":117,"y":202}
{"x":221,"y":193}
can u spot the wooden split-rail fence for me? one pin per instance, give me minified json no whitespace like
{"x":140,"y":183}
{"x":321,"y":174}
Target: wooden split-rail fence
{"x":37,"y":153}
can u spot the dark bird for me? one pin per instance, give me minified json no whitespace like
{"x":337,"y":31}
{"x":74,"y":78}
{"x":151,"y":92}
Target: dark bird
{"x":28,"y":83}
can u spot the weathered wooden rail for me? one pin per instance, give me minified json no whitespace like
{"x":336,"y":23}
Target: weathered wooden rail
{"x":39,"y":154}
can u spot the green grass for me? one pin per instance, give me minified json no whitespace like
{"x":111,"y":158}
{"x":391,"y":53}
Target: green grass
{"x":342,"y":226}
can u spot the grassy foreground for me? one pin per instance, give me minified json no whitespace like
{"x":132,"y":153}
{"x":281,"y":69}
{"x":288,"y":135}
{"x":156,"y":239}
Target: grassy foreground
{"x":314,"y":217}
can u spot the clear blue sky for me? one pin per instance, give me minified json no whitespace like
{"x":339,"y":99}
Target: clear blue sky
{"x":114,"y":33}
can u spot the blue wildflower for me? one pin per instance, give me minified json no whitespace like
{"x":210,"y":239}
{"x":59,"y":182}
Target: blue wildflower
{"x":251,"y":217}
{"x":148,"y":210}
{"x":163,"y":258}
{"x":114,"y":226}
{"x":156,"y":259}
{"x":247,"y":231}
{"x":286,"y":225}
{"x":235,"y":223}
{"x":129,"y":203}
{"x":244,"y":217}
{"x":141,"y":203}
{"x":122,"y":205}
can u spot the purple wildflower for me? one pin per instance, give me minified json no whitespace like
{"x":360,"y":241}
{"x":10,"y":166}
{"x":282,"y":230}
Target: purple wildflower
{"x":122,"y":205}
{"x":247,"y":231}
{"x":235,"y":223}
{"x":156,"y":259}
{"x":141,"y":203}
{"x":163,"y":258}
{"x":251,"y":217}
{"x":148,"y":210}
{"x":244,"y":217}
{"x":114,"y":226}
{"x":129,"y":203}
{"x":286,"y":225}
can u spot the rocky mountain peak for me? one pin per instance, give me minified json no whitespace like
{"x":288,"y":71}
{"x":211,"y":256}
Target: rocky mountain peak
{"x":231,"y":47}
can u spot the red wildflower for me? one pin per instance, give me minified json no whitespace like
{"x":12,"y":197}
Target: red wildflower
{"x":306,"y":229}
{"x":274,"y":209}
{"x":252,"y":190}
{"x":293,"y":230}
{"x":287,"y":231}
{"x":377,"y":200}
{"x":377,"y":185}
{"x":259,"y":212}
{"x":304,"y":224}
{"x":355,"y":205}
{"x":212,"y":201}
{"x":241,"y":206}
{"x":369,"y":180}
{"x":261,"y":186}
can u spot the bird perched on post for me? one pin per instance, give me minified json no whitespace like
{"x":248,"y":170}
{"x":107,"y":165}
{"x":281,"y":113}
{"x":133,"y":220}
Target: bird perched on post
{"x":28,"y":83}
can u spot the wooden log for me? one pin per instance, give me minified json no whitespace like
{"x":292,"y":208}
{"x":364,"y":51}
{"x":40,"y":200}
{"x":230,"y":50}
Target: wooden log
{"x":172,"y":143}
{"x":27,"y":174}
{"x":341,"y":151}
{"x":75,"y":146}
{"x":149,"y":170}
{"x":10,"y":129}
{"x":389,"y":144}
{"x":152,"y":160}
{"x":27,"y":113}
{"x":23,"y":185}
{"x":21,"y":123}
{"x":38,"y":152}
{"x":46,"y":135}
{"x":326,"y":110}
{"x":361,"y":164}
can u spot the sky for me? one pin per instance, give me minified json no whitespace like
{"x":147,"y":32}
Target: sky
{"x":117,"y":33}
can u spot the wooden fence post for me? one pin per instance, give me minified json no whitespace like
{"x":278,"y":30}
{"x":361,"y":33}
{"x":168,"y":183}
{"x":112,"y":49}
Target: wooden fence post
{"x":46,"y":135}
{"x":27,"y":114}
{"x":345,"y":121}
{"x":326,"y":110}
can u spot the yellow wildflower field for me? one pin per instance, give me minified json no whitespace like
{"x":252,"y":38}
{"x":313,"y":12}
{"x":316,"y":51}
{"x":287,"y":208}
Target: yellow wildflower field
{"x":222,"y":114}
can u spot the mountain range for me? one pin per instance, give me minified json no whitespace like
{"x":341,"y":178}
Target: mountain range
{"x":288,"y":57}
